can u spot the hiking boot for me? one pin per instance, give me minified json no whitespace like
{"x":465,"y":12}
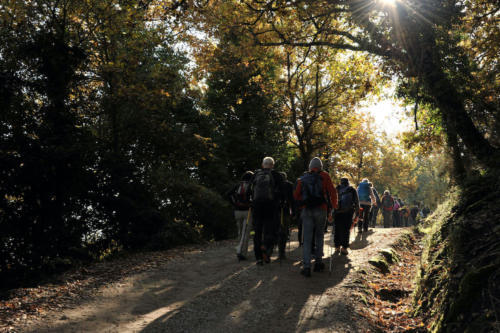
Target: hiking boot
{"x":344,"y":251}
{"x":260,"y":262}
{"x":241,"y":257}
{"x":319,"y":267}
{"x":265,"y":255}
{"x":306,"y":271}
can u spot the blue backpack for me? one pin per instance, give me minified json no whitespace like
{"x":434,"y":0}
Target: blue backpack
{"x":312,"y":189}
{"x":364,"y":192}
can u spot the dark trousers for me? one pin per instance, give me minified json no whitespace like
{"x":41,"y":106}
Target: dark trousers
{"x":343,"y":222}
{"x":283,"y":234}
{"x":373,"y":216}
{"x":366,"y":218}
{"x":395,"y":218}
{"x":265,"y":227}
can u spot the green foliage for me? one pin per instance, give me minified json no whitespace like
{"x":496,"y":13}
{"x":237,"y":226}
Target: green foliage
{"x":245,"y":115}
{"x":100,"y":135}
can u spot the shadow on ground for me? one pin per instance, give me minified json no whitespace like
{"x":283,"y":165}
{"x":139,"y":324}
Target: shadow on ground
{"x":273,"y":298}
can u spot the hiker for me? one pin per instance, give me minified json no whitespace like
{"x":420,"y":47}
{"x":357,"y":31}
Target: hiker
{"x":387,"y":206}
{"x":395,"y":212}
{"x":299,"y":222}
{"x":366,"y":200}
{"x":348,"y":208}
{"x":405,"y":213}
{"x":375,"y":209}
{"x":413,"y":214}
{"x":287,"y":210}
{"x":312,"y":191}
{"x":266,"y":197}
{"x":426,"y":211}
{"x":239,"y":197}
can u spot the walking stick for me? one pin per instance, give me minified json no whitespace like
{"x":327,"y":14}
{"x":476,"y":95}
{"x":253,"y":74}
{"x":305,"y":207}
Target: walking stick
{"x":331,"y":247}
{"x":283,"y":229}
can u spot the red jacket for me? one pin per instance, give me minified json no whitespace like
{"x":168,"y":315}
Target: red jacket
{"x":328,"y":187}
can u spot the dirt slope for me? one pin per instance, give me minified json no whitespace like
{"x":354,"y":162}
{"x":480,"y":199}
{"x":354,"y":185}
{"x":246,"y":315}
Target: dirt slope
{"x":209,"y":291}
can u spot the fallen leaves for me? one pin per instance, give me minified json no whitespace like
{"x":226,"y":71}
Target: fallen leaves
{"x":390,"y":306}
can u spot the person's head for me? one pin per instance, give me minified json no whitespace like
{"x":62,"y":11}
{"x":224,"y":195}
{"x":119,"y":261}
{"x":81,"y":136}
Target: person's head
{"x":315,"y":164}
{"x":371,"y":184}
{"x":247,"y":176}
{"x":387,"y":192}
{"x":268,"y":163}
{"x":283,"y":174}
{"x":395,"y":197}
{"x":365,"y":180}
{"x":344,"y":181}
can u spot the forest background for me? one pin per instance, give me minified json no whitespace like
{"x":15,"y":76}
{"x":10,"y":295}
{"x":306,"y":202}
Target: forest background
{"x":123,"y":123}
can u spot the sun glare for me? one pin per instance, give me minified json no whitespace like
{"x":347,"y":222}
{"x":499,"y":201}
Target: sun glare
{"x":388,"y":2}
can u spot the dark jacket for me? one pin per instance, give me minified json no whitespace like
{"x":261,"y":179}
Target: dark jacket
{"x":355,"y":200}
{"x":278,"y":185}
{"x":288,"y":202}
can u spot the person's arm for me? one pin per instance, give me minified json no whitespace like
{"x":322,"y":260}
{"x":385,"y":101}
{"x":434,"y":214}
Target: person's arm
{"x":229,"y":195}
{"x":290,"y":198}
{"x":332,"y":191}
{"x":297,"y":195}
{"x":372,"y":197}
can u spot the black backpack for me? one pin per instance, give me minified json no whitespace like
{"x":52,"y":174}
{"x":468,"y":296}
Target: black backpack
{"x":346,"y":199}
{"x":241,"y":196}
{"x":312,"y":189}
{"x":263,"y":186}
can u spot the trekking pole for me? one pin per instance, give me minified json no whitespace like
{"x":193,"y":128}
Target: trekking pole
{"x":331,"y":247}
{"x":282,"y":229}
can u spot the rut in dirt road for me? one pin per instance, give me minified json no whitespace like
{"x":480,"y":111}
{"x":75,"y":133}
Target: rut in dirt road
{"x":209,"y":291}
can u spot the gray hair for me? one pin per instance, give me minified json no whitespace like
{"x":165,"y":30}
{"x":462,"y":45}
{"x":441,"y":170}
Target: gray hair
{"x":268,"y":162}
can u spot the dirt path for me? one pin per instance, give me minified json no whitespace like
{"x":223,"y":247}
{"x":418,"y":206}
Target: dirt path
{"x":209,"y":291}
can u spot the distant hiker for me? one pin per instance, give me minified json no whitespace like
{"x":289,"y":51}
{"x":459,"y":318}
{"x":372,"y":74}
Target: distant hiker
{"x":366,"y":200}
{"x":239,"y":196}
{"x":312,"y":192}
{"x":414,"y":214}
{"x":266,"y":198}
{"x":426,"y":211}
{"x":387,"y":207}
{"x":287,"y":210}
{"x":375,"y":209}
{"x":347,"y":208}
{"x":395,"y":213}
{"x":405,"y":215}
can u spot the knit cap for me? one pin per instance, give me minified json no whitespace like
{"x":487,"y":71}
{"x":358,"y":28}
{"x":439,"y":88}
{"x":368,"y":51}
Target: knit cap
{"x":315,"y":164}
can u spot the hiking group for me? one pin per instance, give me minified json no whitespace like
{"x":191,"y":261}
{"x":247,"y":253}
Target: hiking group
{"x":265,"y":204}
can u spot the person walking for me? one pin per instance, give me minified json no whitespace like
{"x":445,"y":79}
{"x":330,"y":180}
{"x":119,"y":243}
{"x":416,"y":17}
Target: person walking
{"x":366,"y":200}
{"x":395,"y":212}
{"x":312,"y":191}
{"x":266,"y":196}
{"x":348,"y":207}
{"x":239,"y":196}
{"x":375,"y":208}
{"x":287,"y":210}
{"x":387,"y":206}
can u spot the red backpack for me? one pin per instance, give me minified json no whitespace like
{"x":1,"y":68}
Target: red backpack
{"x":241,"y":197}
